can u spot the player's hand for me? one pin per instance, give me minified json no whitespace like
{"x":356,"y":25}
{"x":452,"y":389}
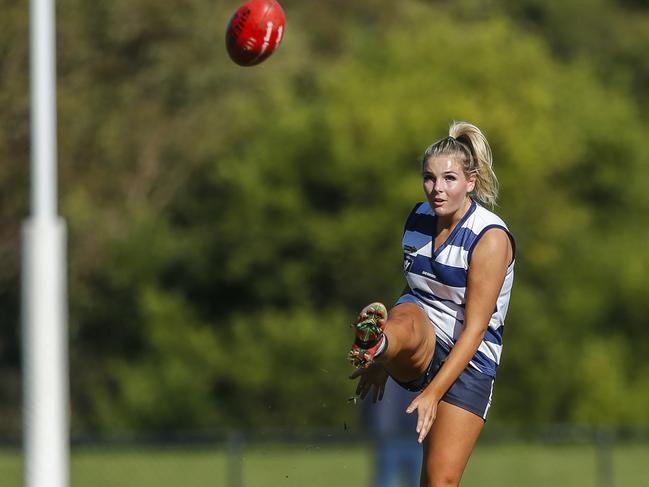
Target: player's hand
{"x":426,"y":406}
{"x":374,"y":377}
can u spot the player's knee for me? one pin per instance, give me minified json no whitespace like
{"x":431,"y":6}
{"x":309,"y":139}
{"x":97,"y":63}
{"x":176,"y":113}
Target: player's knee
{"x":408,"y":325}
{"x":443,"y":479}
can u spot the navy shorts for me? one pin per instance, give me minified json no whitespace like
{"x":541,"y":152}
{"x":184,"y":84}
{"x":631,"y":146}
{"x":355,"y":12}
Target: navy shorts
{"x":471,"y":391}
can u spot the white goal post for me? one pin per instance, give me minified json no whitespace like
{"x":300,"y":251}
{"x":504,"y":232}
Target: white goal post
{"x":44,"y":295}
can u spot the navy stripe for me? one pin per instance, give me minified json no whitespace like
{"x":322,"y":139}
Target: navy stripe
{"x":448,"y":275}
{"x":444,"y":274}
{"x":485,"y":364}
{"x":422,"y":223}
{"x":413,"y":241}
{"x":421,"y":266}
{"x":411,"y":217}
{"x":464,"y":238}
{"x":494,"y":336}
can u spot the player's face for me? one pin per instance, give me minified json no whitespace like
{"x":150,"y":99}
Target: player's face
{"x":446,"y":186}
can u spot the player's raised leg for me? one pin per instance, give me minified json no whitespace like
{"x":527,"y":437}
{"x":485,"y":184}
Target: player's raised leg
{"x":411,"y":342}
{"x":401,"y":341}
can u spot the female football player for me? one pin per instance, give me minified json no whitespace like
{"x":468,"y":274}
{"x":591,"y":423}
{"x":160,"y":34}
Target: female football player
{"x":443,"y":337}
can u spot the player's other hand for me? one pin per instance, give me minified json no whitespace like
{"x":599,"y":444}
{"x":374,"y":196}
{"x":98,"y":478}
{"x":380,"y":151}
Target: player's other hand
{"x":426,"y":406}
{"x":372,"y":377}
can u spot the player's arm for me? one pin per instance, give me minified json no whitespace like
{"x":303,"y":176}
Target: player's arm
{"x":489,"y":263}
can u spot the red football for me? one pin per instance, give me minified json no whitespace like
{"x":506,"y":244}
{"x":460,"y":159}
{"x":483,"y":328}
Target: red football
{"x":255,"y":31}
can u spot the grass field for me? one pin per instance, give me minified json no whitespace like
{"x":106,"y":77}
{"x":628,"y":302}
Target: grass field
{"x":510,"y":465}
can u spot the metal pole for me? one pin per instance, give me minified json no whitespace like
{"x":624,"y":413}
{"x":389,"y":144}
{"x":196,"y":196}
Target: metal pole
{"x":44,"y":310}
{"x":43,"y":108}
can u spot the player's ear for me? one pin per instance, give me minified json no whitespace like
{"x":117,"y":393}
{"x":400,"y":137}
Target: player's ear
{"x":471,"y":180}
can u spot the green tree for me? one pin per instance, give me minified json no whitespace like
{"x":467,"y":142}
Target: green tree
{"x":294,"y":188}
{"x":225,"y":224}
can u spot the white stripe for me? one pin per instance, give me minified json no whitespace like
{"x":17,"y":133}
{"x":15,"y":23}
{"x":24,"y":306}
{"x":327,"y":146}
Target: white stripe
{"x":454,"y":256}
{"x":441,"y":291}
{"x":491,"y":350}
{"x":491,"y":393}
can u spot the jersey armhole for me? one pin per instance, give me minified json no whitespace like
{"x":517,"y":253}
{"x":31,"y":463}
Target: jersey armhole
{"x":484,"y":230}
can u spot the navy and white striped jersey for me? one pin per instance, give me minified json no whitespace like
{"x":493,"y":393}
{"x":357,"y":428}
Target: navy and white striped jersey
{"x":438,"y":279}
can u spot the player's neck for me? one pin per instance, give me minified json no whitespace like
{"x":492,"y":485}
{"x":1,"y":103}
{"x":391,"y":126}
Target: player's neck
{"x":447,"y":223}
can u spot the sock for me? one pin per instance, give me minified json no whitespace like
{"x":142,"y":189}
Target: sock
{"x":383,"y":346}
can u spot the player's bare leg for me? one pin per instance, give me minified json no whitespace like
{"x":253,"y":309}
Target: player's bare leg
{"x":448,"y":445}
{"x":411,"y":342}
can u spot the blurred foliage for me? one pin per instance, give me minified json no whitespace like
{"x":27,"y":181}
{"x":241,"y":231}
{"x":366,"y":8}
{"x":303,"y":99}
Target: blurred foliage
{"x":225,"y":223}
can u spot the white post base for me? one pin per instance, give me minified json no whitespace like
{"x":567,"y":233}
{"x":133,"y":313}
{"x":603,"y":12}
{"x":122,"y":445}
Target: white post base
{"x":45,"y":362}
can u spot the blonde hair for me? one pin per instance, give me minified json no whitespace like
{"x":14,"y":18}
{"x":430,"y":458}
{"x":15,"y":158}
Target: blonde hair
{"x":468,"y":144}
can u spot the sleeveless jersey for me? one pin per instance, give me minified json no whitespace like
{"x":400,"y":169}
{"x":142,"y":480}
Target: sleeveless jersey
{"x":438,"y":279}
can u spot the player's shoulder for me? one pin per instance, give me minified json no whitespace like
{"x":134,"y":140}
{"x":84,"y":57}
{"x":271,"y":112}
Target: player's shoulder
{"x":492,"y":232}
{"x":419,"y":218}
{"x":422,"y":208}
{"x":483,"y":218}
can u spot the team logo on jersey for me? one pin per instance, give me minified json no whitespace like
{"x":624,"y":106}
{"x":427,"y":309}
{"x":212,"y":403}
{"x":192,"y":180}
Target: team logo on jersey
{"x":409,"y":248}
{"x":407,"y":263}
